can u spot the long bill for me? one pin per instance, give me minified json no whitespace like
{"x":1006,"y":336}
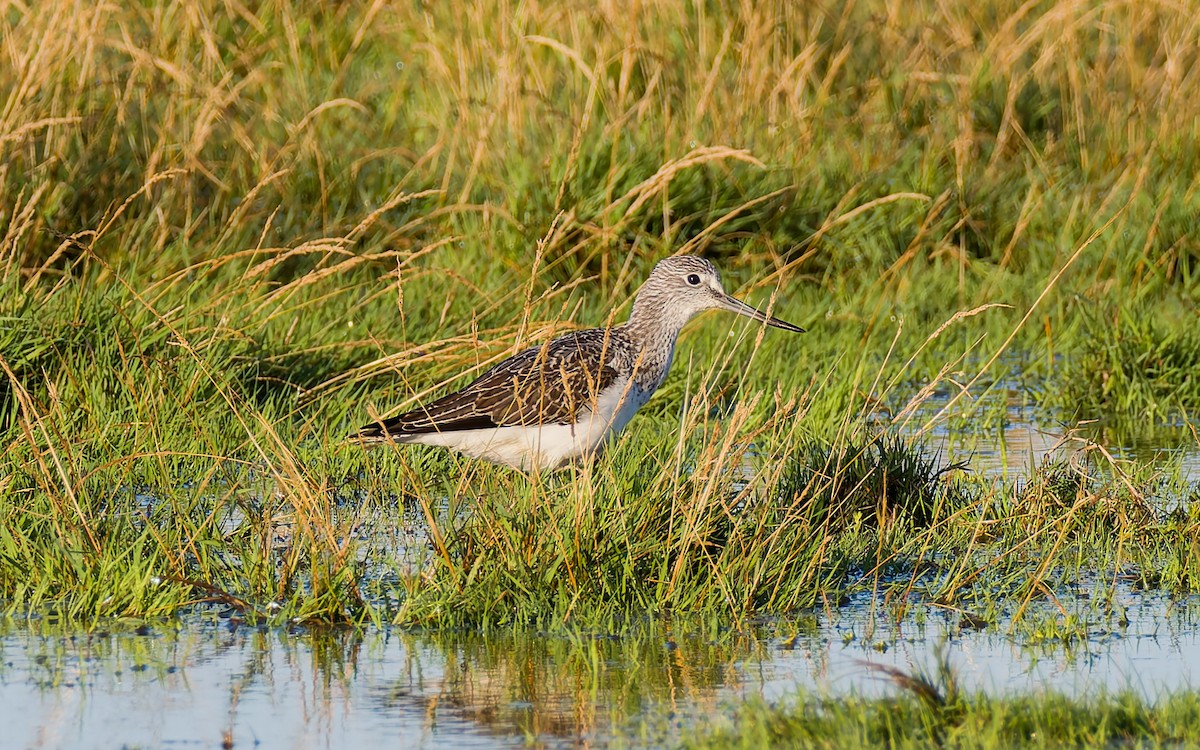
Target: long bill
{"x":741,"y":308}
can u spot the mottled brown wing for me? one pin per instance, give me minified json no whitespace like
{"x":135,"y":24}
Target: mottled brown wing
{"x":542,"y":385}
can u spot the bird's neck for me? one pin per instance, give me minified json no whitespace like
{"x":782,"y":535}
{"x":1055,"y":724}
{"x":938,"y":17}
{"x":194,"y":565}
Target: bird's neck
{"x":652,"y":321}
{"x":652,"y":330}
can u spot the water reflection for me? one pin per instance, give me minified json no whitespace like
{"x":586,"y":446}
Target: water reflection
{"x":211,"y":682}
{"x":207,"y":681}
{"x":1006,"y":435}
{"x":574,"y":689}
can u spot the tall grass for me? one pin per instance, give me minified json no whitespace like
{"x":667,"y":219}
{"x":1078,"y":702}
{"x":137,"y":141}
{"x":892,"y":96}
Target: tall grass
{"x":230,"y":234}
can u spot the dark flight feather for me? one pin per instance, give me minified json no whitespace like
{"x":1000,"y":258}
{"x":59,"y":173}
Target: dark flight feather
{"x":547,"y":384}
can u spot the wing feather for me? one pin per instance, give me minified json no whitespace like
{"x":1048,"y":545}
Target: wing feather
{"x":548,"y":384}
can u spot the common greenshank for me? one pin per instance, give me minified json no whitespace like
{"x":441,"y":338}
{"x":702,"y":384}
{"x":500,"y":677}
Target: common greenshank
{"x":562,"y":400}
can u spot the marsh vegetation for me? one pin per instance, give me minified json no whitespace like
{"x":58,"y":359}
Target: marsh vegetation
{"x":231,"y":233}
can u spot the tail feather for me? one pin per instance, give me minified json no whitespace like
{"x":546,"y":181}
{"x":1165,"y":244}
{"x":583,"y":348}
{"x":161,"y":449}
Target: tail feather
{"x":416,"y":423}
{"x":372,"y":433}
{"x":382,"y":431}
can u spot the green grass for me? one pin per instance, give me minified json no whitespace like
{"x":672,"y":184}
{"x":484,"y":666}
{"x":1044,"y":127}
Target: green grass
{"x":1132,"y":364}
{"x":229,"y":236}
{"x":971,"y":721}
{"x":930,"y":709}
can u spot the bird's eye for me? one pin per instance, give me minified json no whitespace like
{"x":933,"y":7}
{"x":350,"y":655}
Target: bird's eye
{"x":693,"y":279}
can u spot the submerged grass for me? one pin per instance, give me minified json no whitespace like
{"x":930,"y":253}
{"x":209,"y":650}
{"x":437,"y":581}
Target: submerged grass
{"x":230,"y":235}
{"x":974,"y":721}
{"x":931,"y":710}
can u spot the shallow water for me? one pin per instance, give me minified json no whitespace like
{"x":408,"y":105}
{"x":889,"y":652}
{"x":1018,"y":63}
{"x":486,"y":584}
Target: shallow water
{"x":1005,"y":435}
{"x":207,"y":680}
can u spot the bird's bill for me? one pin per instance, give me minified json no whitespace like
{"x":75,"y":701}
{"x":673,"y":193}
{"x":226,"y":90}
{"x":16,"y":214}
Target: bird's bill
{"x":741,"y":308}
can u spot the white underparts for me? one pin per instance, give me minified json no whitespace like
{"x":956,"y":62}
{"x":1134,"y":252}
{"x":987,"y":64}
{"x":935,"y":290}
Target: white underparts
{"x":548,"y":446}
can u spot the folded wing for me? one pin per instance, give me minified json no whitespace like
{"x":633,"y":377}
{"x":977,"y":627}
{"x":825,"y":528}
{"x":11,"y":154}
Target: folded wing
{"x":549,"y":384}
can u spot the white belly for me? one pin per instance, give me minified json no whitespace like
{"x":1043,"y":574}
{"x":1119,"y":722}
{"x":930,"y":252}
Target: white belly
{"x":549,"y":446}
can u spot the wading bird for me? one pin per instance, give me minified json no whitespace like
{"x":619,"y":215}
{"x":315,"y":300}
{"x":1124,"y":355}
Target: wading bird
{"x":555,"y":402}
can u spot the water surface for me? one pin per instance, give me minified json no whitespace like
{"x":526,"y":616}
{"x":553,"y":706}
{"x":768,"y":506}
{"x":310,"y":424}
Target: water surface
{"x":205,"y":679}
{"x":208,"y":680}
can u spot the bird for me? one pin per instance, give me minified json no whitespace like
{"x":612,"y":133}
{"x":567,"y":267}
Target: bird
{"x":563,"y":400}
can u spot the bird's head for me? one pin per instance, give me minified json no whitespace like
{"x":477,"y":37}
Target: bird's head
{"x":683,"y":286}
